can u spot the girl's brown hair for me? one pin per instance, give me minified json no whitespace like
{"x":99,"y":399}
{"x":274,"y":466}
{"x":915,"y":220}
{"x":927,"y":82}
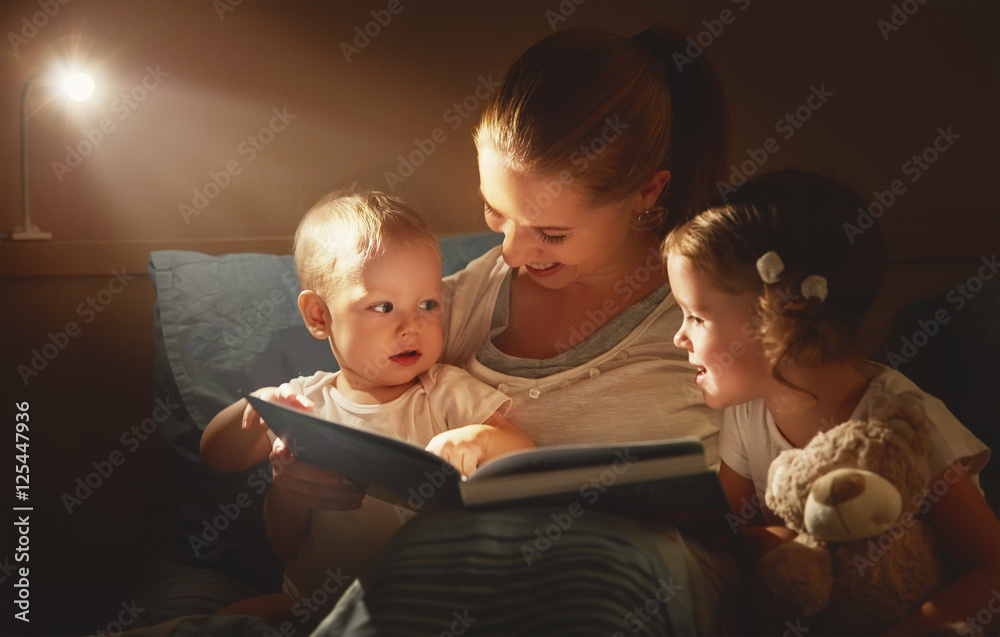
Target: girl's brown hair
{"x":808,"y":220}
{"x":611,"y":111}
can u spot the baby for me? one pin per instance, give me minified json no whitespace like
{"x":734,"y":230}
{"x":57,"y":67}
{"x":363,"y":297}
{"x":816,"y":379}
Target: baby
{"x":370,"y":270}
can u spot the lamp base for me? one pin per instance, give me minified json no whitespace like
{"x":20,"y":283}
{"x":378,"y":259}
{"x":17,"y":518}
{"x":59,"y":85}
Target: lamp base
{"x":31,"y":233}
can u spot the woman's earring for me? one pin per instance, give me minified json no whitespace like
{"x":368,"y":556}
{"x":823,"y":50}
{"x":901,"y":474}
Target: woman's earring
{"x":643,"y":218}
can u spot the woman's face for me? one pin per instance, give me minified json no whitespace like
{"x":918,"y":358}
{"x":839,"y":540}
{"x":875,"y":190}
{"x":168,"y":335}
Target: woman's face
{"x":551,"y":231}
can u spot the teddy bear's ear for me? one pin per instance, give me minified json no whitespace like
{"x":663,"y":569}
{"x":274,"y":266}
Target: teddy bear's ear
{"x":785,"y":496}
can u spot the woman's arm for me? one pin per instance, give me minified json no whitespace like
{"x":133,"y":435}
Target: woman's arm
{"x":968,"y":533}
{"x":296,"y":490}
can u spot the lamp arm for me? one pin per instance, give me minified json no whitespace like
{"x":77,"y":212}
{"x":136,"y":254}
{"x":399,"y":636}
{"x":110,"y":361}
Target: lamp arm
{"x":27,"y":230}
{"x":25,"y":200}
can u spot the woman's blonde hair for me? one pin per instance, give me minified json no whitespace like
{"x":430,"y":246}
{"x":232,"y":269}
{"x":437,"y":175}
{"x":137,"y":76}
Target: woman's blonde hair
{"x":353,"y":227}
{"x":807,"y":220}
{"x":611,"y":111}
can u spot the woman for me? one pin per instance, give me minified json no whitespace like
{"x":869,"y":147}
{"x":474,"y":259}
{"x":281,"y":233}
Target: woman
{"x":592,"y":149}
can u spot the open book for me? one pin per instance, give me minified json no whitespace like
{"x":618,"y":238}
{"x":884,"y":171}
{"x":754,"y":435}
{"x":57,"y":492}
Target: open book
{"x":668,"y":479}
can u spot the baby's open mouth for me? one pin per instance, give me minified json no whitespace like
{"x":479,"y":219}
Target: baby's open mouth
{"x":406,"y":357}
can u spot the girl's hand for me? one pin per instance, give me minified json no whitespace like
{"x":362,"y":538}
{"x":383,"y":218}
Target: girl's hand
{"x":300,"y":485}
{"x":283,"y":395}
{"x":465,"y":447}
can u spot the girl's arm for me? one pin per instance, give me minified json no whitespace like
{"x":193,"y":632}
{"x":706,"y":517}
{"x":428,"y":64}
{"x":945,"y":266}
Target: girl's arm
{"x":968,"y":533}
{"x":753,"y":537}
{"x":470,"y":446}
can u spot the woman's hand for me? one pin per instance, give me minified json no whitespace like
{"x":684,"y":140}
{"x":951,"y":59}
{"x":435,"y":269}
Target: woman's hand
{"x":297,"y":489}
{"x":301,"y":485}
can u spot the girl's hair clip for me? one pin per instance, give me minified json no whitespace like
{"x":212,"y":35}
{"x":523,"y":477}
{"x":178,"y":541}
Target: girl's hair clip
{"x":814,"y":286}
{"x":770,"y":267}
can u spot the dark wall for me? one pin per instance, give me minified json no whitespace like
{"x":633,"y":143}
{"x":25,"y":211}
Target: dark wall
{"x":184,"y":86}
{"x":200,"y":81}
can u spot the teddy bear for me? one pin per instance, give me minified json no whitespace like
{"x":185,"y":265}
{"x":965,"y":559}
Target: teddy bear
{"x":863,"y":558}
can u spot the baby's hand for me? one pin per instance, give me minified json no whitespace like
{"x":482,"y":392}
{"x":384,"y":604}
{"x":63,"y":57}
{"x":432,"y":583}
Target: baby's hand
{"x":465,"y":447}
{"x":283,"y":395}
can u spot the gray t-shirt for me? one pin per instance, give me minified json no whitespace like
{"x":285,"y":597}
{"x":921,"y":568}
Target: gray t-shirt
{"x":633,"y":385}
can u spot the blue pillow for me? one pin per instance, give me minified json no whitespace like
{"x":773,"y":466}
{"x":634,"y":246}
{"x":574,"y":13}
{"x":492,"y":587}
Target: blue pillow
{"x":230,"y":324}
{"x":227,"y":325}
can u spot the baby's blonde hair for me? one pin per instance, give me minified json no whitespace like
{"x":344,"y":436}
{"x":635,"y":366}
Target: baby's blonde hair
{"x":802,"y":217}
{"x":346,"y":227}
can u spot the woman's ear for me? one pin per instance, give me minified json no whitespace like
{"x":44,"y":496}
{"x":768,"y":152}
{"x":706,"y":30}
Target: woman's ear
{"x":650,"y":193}
{"x":314,"y":312}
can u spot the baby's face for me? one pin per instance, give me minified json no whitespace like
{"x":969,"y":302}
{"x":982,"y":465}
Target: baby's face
{"x":386,"y":317}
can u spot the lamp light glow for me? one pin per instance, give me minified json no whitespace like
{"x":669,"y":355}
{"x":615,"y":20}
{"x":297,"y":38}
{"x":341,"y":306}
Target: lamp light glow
{"x":79,"y":87}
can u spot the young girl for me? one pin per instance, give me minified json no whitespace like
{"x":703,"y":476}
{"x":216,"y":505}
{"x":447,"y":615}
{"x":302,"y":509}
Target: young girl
{"x":774,"y":293}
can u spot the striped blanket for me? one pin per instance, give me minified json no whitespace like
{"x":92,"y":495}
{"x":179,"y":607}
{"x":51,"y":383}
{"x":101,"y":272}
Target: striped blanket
{"x":538,"y":572}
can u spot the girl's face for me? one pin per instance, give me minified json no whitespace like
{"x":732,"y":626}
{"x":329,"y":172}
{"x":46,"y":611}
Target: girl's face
{"x":551,"y":231}
{"x":718,"y":336}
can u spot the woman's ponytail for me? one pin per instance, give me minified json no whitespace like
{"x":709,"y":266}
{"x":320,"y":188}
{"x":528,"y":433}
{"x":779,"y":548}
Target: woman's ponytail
{"x":699,"y":144}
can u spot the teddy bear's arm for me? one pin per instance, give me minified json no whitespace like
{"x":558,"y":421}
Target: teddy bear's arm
{"x":795,"y":579}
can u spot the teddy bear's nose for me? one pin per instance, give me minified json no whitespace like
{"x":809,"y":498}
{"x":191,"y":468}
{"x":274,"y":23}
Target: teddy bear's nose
{"x":842,"y":488}
{"x":850,"y":504}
